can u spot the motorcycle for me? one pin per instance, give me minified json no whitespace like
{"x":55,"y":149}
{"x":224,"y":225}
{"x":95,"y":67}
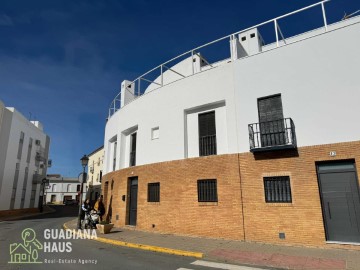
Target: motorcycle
{"x":91,"y":219}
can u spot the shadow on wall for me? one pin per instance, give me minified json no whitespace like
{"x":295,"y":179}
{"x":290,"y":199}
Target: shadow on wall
{"x":109,"y":212}
{"x":109,"y":208}
{"x":289,"y":153}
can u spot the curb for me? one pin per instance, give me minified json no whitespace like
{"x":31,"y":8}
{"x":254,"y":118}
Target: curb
{"x":29,"y":215}
{"x":146,"y":247}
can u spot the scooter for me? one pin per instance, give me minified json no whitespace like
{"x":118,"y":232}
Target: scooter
{"x":91,"y":219}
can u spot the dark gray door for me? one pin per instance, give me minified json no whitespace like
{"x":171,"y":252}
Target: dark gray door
{"x":271,"y":120}
{"x":340,"y":201}
{"x":133,"y":201}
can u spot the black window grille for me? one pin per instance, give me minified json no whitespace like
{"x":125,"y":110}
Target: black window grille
{"x":133,"y":150}
{"x":207,"y":134}
{"x":277,"y":189}
{"x":207,"y":190}
{"x":154,"y":192}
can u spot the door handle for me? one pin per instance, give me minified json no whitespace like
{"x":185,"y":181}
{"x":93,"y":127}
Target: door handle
{"x":329,"y":210}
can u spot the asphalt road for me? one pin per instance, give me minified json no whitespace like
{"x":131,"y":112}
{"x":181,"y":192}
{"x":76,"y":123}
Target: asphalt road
{"x":77,"y":253}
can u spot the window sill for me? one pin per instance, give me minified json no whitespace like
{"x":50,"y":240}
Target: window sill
{"x":154,"y":203}
{"x":279,"y":204}
{"x":208,"y":203}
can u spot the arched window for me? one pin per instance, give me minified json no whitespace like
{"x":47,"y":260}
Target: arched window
{"x":68,"y":189}
{"x":54,"y":188}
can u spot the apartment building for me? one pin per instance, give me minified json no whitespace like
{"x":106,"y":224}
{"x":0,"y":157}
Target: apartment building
{"x":95,"y":171}
{"x":261,"y":145}
{"x":23,"y":160}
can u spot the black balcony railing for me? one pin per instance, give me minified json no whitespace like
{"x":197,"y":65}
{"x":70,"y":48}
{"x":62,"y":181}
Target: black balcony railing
{"x":207,"y":145}
{"x":272,"y":135}
{"x":132,"y":158}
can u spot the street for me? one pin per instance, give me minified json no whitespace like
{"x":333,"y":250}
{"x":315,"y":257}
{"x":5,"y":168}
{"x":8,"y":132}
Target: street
{"x":83,"y":253}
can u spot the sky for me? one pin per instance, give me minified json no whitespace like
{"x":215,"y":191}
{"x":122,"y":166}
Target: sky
{"x":62,"y":62}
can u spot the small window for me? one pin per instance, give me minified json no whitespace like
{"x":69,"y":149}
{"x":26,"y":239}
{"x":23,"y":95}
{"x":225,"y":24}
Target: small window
{"x":243,"y":38}
{"x":78,"y":188}
{"x":154,"y":192}
{"x":277,"y":189}
{"x":252,"y":35}
{"x":207,"y":190}
{"x":155,"y":133}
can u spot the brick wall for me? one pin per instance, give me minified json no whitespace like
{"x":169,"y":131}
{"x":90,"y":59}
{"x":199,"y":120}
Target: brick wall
{"x":180,"y":212}
{"x":301,"y":220}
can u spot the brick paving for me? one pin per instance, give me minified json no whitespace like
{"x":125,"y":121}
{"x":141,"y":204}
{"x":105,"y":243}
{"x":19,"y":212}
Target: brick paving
{"x":277,"y":256}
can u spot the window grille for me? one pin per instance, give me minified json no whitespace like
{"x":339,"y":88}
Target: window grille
{"x":154,"y":192}
{"x":277,"y":189}
{"x":207,"y":190}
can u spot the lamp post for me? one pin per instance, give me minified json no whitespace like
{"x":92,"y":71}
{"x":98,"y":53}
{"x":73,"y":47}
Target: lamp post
{"x":84,"y":163}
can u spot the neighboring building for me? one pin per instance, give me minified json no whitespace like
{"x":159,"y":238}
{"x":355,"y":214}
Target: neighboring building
{"x":23,"y":160}
{"x":61,"y":189}
{"x":95,"y":170}
{"x":211,"y":148}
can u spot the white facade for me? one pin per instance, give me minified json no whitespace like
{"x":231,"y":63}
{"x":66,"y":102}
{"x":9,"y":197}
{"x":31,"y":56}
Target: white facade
{"x":95,"y":170}
{"x":316,"y":74}
{"x":61,"y":189}
{"x":23,"y":160}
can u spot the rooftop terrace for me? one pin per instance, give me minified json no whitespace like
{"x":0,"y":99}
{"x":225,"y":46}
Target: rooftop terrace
{"x":244,"y":43}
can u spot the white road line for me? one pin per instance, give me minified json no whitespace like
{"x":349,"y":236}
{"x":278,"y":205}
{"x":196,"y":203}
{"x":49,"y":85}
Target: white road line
{"x":223,"y":265}
{"x":184,"y":269}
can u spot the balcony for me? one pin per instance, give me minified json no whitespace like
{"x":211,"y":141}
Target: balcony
{"x":273,"y":135}
{"x":207,"y":145}
{"x":37,"y":178}
{"x":40,"y":154}
{"x":132,"y":158}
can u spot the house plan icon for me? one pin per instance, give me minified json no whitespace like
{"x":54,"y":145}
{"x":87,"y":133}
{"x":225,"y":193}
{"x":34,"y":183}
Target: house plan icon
{"x":26,"y":252}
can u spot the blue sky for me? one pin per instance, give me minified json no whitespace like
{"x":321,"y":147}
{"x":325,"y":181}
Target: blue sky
{"x":63,"y":61}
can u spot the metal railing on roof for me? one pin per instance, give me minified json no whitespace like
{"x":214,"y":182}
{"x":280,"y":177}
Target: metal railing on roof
{"x":116,"y":103}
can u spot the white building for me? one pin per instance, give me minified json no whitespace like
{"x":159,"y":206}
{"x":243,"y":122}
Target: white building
{"x":95,"y":170}
{"x":61,"y":189}
{"x":23,"y":159}
{"x":315,"y":73}
{"x":206,"y":144}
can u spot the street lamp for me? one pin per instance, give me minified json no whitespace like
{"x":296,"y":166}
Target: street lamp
{"x":84,"y":163}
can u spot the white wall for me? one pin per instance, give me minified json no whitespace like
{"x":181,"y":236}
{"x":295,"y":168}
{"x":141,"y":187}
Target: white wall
{"x":317,"y":77}
{"x":17,"y":124}
{"x":165,"y":108}
{"x":192,"y":129}
{"x":61,"y":189}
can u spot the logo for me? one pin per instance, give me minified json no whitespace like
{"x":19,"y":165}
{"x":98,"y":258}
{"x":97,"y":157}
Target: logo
{"x":26,"y":252}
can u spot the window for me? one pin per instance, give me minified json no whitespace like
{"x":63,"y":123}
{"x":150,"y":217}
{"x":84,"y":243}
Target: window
{"x":154,"y":192}
{"x":114,"y":156}
{"x":271,"y":121}
{"x":132,"y":149}
{"x":277,"y":189}
{"x":207,"y":190}
{"x":29,"y":150}
{"x":207,"y":134}
{"x":68,"y":188}
{"x":78,"y":188}
{"x":21,"y":142}
{"x":54,"y":188}
{"x":155,"y":133}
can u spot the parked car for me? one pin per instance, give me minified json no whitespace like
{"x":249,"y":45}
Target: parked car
{"x":71,"y":202}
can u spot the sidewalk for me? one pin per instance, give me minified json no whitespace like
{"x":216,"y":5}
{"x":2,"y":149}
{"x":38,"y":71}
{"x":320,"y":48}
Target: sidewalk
{"x":237,"y":252}
{"x":47,"y":209}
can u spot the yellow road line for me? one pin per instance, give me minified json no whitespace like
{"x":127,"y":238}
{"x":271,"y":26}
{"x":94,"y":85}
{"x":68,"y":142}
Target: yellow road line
{"x":146,"y":247}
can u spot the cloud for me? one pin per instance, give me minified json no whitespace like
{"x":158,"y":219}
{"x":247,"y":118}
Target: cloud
{"x":5,"y":20}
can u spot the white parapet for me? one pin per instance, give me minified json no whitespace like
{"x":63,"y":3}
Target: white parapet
{"x":127,"y":92}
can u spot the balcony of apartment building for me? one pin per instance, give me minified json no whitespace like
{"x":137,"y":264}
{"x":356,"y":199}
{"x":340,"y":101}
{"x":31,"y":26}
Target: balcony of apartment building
{"x":272,"y":135}
{"x":40,"y":154}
